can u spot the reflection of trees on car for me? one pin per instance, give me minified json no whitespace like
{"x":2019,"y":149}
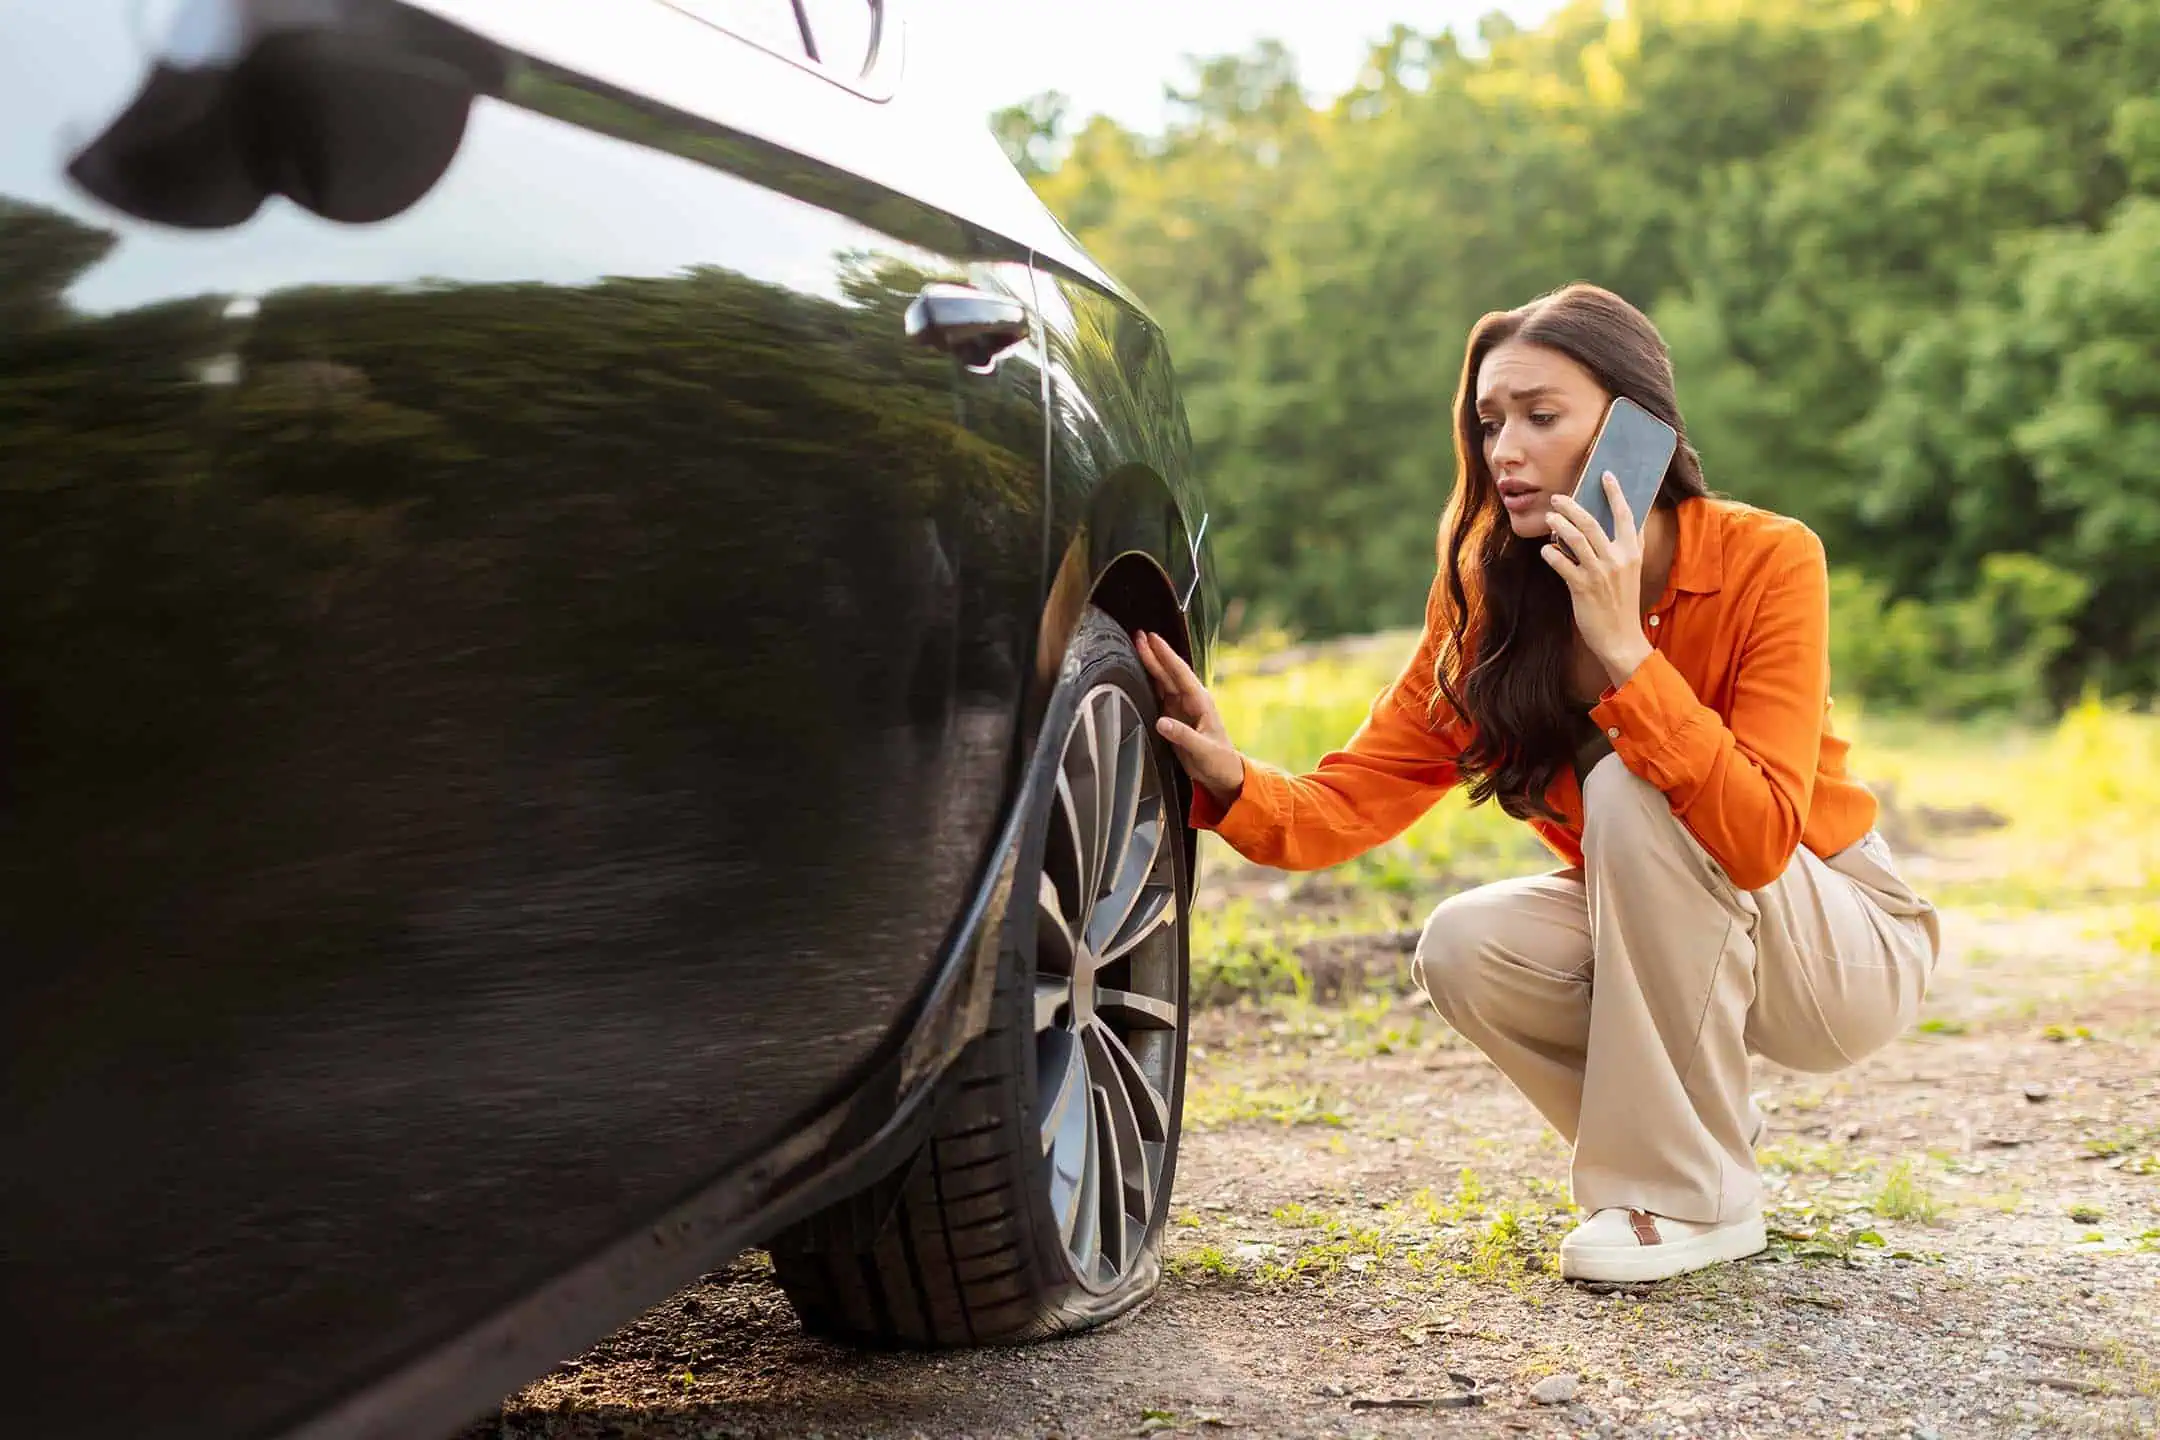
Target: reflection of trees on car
{"x":348,"y":436}
{"x":451,"y":494}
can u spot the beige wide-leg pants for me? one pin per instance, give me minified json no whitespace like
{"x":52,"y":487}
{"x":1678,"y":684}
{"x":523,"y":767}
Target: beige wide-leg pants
{"x":1625,"y":999}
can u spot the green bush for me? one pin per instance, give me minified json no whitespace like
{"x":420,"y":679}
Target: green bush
{"x":1994,"y":650}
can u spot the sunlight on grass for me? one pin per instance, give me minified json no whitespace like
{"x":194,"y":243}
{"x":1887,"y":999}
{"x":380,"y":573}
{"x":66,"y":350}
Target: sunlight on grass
{"x":1212,"y":1106}
{"x":1904,"y":1196}
{"x":1798,"y":1157}
{"x":2078,"y":796}
{"x":1293,"y":716}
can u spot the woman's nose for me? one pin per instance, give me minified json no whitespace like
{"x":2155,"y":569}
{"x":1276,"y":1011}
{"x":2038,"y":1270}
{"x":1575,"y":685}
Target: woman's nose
{"x":1505,"y":449}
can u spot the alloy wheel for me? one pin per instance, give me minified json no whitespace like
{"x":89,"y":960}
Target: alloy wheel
{"x":1107,"y":980}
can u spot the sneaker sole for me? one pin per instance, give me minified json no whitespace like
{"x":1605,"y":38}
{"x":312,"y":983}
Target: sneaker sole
{"x":1638,"y":1263}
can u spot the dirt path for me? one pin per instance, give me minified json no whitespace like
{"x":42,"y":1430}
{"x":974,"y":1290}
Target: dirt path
{"x":1969,"y":1245}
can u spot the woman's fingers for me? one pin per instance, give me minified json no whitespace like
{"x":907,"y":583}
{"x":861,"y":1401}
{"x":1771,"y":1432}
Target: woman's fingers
{"x":1174,"y":665}
{"x":1168,"y":693}
{"x":1624,"y":531}
{"x":1560,"y":561}
{"x":1144,"y":643}
{"x":1582,"y":534}
{"x":1580,"y":548}
{"x":1180,"y":734}
{"x":1210,"y":760}
{"x":1176,"y":684}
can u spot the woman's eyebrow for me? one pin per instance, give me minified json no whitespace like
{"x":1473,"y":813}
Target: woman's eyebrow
{"x":1530,"y":392}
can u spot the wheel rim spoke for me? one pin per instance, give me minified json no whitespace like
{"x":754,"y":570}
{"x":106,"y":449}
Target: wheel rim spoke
{"x":1084,"y":1238}
{"x":1139,"y":1161}
{"x":1110,"y":1186}
{"x":1066,"y":860}
{"x":1053,"y":933}
{"x":1052,"y":996}
{"x":1133,"y":865}
{"x":1135,"y":1009}
{"x":1123,"y":764}
{"x":1089,"y":804}
{"x":1059,"y":1056}
{"x":1156,"y":907}
{"x":1151,"y":1112}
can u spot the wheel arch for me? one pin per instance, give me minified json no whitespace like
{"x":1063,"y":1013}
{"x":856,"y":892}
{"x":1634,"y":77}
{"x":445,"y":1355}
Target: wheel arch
{"x":1127,"y":558}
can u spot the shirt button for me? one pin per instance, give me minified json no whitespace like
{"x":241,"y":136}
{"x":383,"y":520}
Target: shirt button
{"x":1613,"y":733}
{"x":1653,"y":619}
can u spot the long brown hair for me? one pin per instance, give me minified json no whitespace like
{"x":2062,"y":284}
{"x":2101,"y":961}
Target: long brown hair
{"x":1503,"y":665}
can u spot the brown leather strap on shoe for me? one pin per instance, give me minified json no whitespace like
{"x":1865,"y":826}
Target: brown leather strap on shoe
{"x":1644,"y":1224}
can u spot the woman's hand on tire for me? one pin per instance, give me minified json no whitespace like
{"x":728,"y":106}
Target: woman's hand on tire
{"x":1190,"y":721}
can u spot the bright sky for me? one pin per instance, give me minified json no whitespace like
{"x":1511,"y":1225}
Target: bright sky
{"x":1114,"y":56}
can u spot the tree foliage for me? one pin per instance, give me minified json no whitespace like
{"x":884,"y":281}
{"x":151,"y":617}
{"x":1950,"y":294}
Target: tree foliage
{"x":1906,"y":254}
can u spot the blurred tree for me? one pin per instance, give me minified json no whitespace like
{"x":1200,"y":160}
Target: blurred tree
{"x":1032,"y":133}
{"x":1903,"y":251}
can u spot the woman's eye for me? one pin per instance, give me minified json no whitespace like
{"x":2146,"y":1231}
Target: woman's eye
{"x":1489,"y":428}
{"x":1543,"y":417}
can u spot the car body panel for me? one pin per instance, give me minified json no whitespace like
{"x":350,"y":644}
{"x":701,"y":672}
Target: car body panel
{"x":1121,"y":480}
{"x":510,"y":715}
{"x":508,"y":708}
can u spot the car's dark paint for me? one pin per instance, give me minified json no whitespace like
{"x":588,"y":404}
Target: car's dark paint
{"x":1128,"y":529}
{"x":509,"y":722}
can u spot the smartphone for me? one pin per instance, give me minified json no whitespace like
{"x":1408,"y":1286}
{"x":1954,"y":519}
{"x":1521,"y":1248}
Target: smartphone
{"x":1638,"y":448}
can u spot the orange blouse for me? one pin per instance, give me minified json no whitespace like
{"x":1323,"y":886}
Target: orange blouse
{"x":1729,"y":717}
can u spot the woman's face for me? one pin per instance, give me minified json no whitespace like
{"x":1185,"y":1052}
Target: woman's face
{"x":1538,"y":410}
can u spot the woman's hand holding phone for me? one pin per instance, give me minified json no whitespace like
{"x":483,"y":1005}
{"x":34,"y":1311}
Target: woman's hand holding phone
{"x":1604,"y":579}
{"x":1190,"y":721}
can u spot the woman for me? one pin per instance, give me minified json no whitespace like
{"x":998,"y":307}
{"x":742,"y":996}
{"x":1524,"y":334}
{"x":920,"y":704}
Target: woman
{"x":1655,"y":704}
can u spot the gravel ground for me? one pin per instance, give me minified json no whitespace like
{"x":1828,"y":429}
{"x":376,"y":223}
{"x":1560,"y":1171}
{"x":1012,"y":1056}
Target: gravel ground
{"x":1968,"y":1244}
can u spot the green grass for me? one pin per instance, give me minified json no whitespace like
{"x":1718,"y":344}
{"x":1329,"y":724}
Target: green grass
{"x":2133,"y":1148}
{"x":1212,"y":1105}
{"x":1426,"y":1241}
{"x":2078,"y":796}
{"x":1361,"y":1027}
{"x":1799,"y":1157}
{"x":1203,"y":1263}
{"x":1294,"y":716}
{"x":1904,"y":1196}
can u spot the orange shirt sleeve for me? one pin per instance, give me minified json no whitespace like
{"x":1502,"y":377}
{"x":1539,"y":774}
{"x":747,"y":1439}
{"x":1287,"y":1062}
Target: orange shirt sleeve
{"x":1741,"y":784}
{"x":1389,"y":773}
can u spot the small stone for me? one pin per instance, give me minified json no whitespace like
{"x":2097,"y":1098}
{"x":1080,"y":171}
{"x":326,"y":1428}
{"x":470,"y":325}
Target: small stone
{"x":1616,"y":1386}
{"x":2035,"y":1091}
{"x":1556,"y":1389}
{"x":2030,"y":1409}
{"x":1997,"y":1356}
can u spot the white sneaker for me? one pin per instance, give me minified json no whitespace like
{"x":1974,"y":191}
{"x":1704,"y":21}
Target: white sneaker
{"x":1625,"y":1247}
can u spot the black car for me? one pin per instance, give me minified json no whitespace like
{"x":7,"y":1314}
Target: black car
{"x":566,"y":705}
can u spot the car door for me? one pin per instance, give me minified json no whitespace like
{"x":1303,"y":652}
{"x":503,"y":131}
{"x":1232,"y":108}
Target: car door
{"x":503,"y":700}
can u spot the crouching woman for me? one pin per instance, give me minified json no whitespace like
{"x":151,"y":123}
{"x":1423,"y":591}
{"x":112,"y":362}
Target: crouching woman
{"x":1655,"y":705}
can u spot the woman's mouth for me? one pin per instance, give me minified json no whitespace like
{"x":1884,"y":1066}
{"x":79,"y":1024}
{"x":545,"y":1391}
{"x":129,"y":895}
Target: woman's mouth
{"x":1518,"y":495}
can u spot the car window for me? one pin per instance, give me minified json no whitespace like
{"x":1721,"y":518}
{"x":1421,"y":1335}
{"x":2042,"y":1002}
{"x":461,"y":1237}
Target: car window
{"x":770,"y":24}
{"x":845,"y":33}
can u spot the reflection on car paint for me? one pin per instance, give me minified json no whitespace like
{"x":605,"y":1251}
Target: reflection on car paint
{"x":502,"y":709}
